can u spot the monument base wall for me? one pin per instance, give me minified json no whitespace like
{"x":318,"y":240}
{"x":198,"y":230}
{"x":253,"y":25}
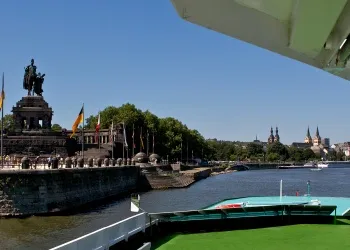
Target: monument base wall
{"x":30,"y":192}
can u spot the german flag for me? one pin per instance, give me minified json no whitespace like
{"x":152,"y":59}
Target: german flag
{"x":79,"y":120}
{"x":2,"y":96}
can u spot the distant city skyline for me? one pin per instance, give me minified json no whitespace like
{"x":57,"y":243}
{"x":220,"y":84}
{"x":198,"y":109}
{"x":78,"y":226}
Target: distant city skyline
{"x":301,"y":140}
{"x":146,"y":55}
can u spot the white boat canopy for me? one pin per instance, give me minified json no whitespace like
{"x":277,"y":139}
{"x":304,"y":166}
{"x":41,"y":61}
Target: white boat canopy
{"x":315,"y":32}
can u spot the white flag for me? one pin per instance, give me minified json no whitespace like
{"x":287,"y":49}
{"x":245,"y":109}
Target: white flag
{"x":125,"y":142}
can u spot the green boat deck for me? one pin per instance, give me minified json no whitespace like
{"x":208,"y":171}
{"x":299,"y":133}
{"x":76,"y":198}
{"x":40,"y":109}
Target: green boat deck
{"x":304,"y":237}
{"x":303,"y":233}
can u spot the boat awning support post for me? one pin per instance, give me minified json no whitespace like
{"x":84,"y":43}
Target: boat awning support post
{"x":281,"y":186}
{"x":150,"y":225}
{"x":335,"y":216}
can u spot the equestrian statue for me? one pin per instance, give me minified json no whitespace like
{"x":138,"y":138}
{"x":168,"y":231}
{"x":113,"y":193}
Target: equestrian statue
{"x":32,"y":81}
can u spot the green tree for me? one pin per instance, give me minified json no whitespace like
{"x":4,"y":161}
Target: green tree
{"x":309,"y":154}
{"x":108,"y":115}
{"x":172,"y":133}
{"x":340,"y":156}
{"x":332,"y":155}
{"x":296,"y":154}
{"x":171,"y":136}
{"x":130,"y":115}
{"x":223,"y":150}
{"x":254,"y":150}
{"x":278,"y":149}
{"x":241,"y":153}
{"x":9,"y":122}
{"x":272,"y":157}
{"x":90,"y":122}
{"x":151,"y":121}
{"x":56,"y":127}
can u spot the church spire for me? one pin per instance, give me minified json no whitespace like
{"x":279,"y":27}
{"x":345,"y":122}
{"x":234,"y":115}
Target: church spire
{"x":277,"y":136}
{"x":317,"y":138}
{"x":308,"y":138}
{"x":271,"y":138}
{"x":308,"y":132}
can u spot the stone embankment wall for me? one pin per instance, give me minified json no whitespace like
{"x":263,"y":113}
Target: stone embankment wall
{"x":27,"y":192}
{"x":197,"y":173}
{"x":161,"y":177}
{"x":156,"y":181}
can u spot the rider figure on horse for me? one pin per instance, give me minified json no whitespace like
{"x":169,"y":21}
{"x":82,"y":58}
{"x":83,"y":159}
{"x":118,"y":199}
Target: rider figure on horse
{"x":31,"y":78}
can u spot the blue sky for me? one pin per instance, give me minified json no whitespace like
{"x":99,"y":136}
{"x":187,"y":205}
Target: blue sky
{"x":113,"y":52}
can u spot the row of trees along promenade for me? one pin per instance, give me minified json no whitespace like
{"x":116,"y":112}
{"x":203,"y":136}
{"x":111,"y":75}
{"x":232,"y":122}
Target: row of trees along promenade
{"x":174,"y":139}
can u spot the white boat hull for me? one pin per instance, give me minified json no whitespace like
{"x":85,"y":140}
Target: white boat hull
{"x":334,"y":165}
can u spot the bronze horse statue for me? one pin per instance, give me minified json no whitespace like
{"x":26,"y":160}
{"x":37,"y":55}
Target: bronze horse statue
{"x":32,"y":81}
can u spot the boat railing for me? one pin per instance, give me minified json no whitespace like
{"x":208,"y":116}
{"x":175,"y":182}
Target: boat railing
{"x":110,"y":235}
{"x":146,"y":246}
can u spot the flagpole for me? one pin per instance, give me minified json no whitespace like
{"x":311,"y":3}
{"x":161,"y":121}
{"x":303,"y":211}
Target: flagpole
{"x":112,"y":140}
{"x":98,"y":133}
{"x":147,"y":143}
{"x":117,"y":135}
{"x":83,"y":141}
{"x":2,"y":123}
{"x":153,"y":143}
{"x":141,"y":142}
{"x":99,"y":143}
{"x":187,"y":152}
{"x":126,"y":143}
{"x":181,"y":149}
{"x":133,"y":140}
{"x":123,"y":142}
{"x":2,"y":135}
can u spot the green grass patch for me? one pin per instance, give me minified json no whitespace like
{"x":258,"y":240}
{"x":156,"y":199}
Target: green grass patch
{"x":293,"y":237}
{"x":343,"y":221}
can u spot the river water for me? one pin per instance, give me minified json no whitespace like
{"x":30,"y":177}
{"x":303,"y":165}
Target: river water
{"x":45,"y":232}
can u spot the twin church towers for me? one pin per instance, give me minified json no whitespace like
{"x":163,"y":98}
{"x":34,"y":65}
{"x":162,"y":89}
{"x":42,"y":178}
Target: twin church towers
{"x":316,"y":140}
{"x":273,"y":138}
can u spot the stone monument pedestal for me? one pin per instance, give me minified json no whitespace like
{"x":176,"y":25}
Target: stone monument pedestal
{"x":32,"y":135}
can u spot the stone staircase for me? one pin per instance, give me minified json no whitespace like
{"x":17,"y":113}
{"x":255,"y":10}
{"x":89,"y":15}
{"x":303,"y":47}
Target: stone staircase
{"x":95,"y":152}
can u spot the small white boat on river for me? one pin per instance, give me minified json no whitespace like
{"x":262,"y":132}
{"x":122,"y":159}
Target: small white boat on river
{"x":334,"y":164}
{"x":316,"y":169}
{"x":310,"y":165}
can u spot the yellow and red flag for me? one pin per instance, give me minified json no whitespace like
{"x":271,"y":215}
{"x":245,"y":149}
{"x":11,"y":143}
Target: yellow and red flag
{"x":2,"y":96}
{"x":79,"y":120}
